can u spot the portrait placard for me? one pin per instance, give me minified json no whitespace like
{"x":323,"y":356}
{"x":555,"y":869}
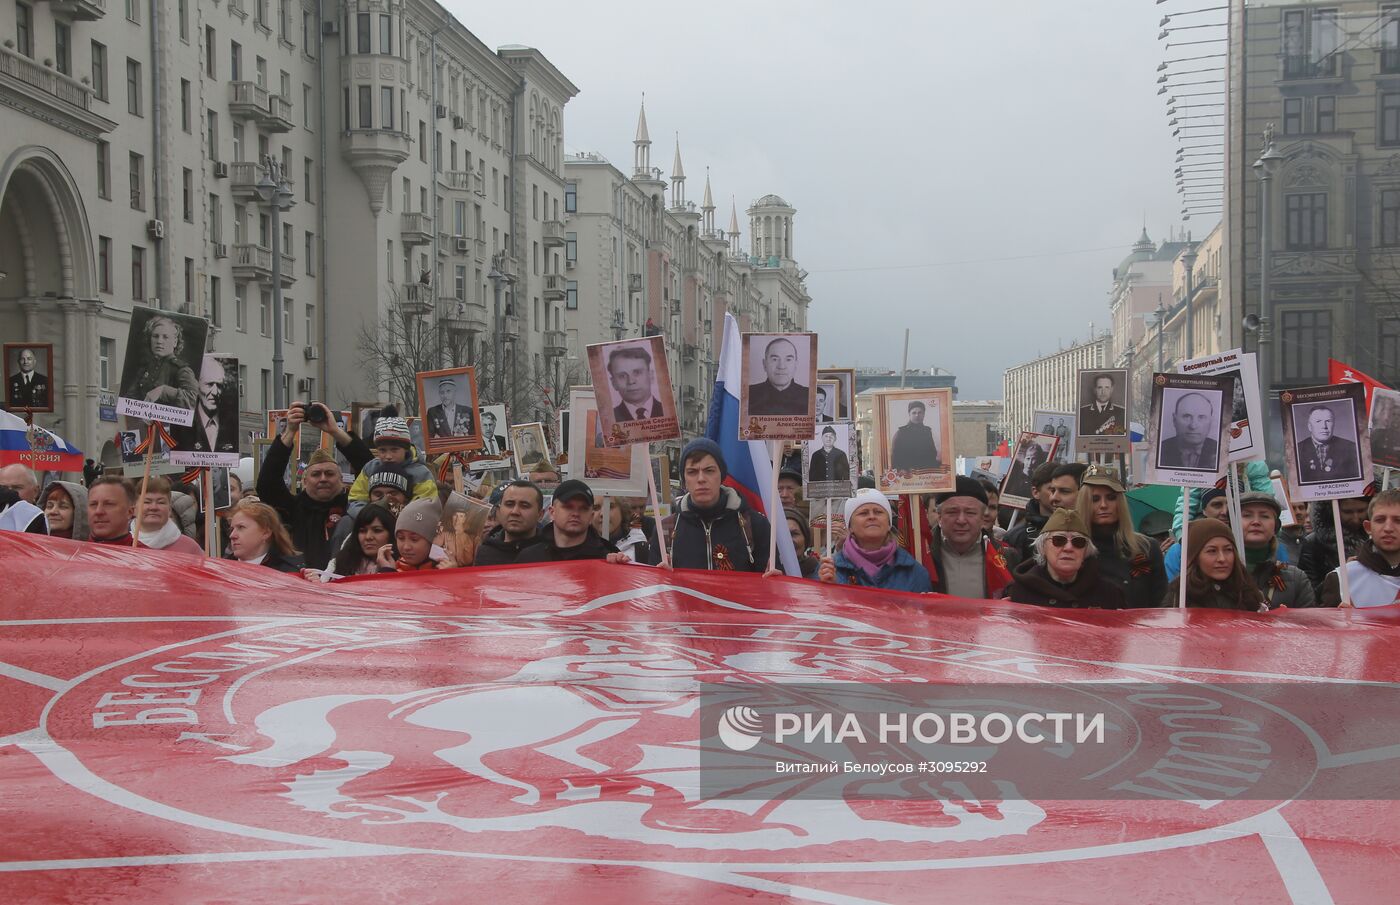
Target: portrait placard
{"x":529,"y":448}
{"x":28,"y":376}
{"x":1187,"y":427}
{"x":1061,"y":426}
{"x":1102,"y":423}
{"x":846,"y":398}
{"x":1384,"y":427}
{"x":127,"y":441}
{"x":211,"y":438}
{"x":830,"y":462}
{"x":222,"y":494}
{"x":1246,"y":407}
{"x":495,"y":435}
{"x":277,"y":423}
{"x":363,"y":417}
{"x":1032,"y":451}
{"x":913,"y":441}
{"x":612,"y":470}
{"x":632,"y":383}
{"x":1326,"y":442}
{"x":828,"y":400}
{"x":164,"y":352}
{"x":448,"y":403}
{"x":778,"y":392}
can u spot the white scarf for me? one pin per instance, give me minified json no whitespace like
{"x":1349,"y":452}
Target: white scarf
{"x":168,"y":534}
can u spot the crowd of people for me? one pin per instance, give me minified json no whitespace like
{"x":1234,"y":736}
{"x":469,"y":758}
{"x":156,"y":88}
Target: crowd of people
{"x":1074,"y":546}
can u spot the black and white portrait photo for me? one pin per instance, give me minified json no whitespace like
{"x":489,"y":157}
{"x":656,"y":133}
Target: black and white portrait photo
{"x":127,"y":441}
{"x":447,"y":401}
{"x":1103,"y":405}
{"x":221,"y":495}
{"x":1190,"y":436}
{"x":846,"y":392}
{"x":1032,"y":451}
{"x":1243,"y":405}
{"x":828,"y":394}
{"x":212,"y":437}
{"x":1326,"y":442}
{"x":828,"y":462}
{"x":528,"y":445}
{"x":28,"y":372}
{"x":160,"y":373}
{"x":493,"y":431}
{"x":1385,"y":427}
{"x":363,"y":417}
{"x":1059,"y":425}
{"x":780,"y":373}
{"x":914,"y":431}
{"x":633,"y":385}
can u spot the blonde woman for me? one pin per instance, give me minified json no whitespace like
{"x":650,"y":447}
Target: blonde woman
{"x":1126,"y":559}
{"x":256,"y":535}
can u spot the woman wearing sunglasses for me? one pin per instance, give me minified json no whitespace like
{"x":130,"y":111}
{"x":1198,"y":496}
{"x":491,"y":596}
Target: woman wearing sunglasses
{"x":1065,"y":570}
{"x":1215,"y":576}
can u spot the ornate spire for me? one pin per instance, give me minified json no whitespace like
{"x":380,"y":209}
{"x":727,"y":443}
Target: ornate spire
{"x":677,"y":171}
{"x":709,"y":203}
{"x":642,"y":136}
{"x":733,"y":227}
{"x":641,"y":145}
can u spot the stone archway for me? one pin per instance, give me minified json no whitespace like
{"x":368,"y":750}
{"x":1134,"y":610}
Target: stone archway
{"x":48,"y":282}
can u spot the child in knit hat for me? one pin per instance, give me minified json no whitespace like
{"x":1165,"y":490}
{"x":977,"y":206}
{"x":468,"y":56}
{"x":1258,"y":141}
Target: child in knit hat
{"x":412,"y":549}
{"x":393,"y":446}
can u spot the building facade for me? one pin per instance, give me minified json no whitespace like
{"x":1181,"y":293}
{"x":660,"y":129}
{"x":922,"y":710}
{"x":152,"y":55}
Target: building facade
{"x":426,"y":186}
{"x":1049,"y":382}
{"x":1324,"y":79}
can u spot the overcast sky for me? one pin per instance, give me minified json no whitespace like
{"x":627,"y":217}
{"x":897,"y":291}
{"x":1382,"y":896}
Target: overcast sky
{"x":909,"y":137}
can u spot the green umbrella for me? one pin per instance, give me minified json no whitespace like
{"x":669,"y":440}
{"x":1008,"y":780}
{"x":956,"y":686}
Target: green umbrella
{"x":1153,"y":497}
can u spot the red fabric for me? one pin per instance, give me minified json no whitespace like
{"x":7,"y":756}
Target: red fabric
{"x":1339,"y":372}
{"x":176,"y":729}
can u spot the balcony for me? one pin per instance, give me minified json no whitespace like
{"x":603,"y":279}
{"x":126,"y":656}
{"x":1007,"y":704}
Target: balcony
{"x":1305,"y":66}
{"x":416,"y":299}
{"x":553,"y":233}
{"x":279,"y":114}
{"x":79,"y":10}
{"x":416,"y":229}
{"x":634,"y":282}
{"x":554,"y":289}
{"x":458,"y":180}
{"x":247,"y":101}
{"x":464,"y":317}
{"x":43,"y":92}
{"x":556,"y":343}
{"x":254,"y":262}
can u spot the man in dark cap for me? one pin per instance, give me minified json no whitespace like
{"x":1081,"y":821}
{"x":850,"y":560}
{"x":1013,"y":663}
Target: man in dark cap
{"x":570,"y":535}
{"x":962,"y":561}
{"x":829,"y":463}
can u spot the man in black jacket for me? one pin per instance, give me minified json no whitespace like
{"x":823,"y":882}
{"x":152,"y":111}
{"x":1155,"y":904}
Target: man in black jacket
{"x":714,"y":529}
{"x":312,"y":514}
{"x":517,"y":525}
{"x":1317,"y":555}
{"x":570,"y":535}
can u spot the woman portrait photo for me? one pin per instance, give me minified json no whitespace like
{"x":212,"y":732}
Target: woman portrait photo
{"x":163,"y":355}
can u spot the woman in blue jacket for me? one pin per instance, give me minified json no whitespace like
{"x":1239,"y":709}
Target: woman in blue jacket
{"x":871,"y":557}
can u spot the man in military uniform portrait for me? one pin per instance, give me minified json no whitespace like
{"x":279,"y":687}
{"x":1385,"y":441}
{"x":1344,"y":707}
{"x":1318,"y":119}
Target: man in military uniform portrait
{"x":449,"y":418}
{"x":780,"y":392}
{"x":912,"y":446}
{"x":1100,"y":414}
{"x":28,"y":387}
{"x":1323,"y":456}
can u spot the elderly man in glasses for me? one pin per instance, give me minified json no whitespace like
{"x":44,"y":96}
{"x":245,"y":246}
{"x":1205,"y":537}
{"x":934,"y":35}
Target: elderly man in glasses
{"x":1065,"y":570}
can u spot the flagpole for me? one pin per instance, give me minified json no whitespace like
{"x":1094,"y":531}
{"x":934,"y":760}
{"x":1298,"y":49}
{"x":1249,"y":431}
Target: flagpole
{"x":828,"y":528}
{"x":1185,"y":533}
{"x":775,"y":509}
{"x":656,"y":510}
{"x":206,"y":489}
{"x":151,"y":441}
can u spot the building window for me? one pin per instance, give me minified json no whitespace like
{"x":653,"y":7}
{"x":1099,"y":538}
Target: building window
{"x":182,"y":13}
{"x":216,"y":218}
{"x":1310,"y":43}
{"x":386,"y":102}
{"x":363,"y":37}
{"x":1306,"y":221}
{"x":386,"y":34}
{"x":308,"y":34}
{"x":422,"y":141}
{"x":1388,"y":350}
{"x":1292,"y":116}
{"x":366,"y":107}
{"x":310,"y":324}
{"x":133,"y":11}
{"x":235,"y":61}
{"x":306,"y":105}
{"x":310,"y":253}
{"x":1306,"y":338}
{"x":265,"y":312}
{"x":1390,"y":118}
{"x":570,"y":197}
{"x":137,"y":167}
{"x":99,"y":71}
{"x":63,"y":48}
{"x":1326,"y":114}
{"x":104,"y":170}
{"x":260,"y":13}
{"x":308,"y":169}
{"x":571,"y":247}
{"x":1390,"y":39}
{"x":106,"y":354}
{"x":185,"y":104}
{"x":138,"y":273}
{"x":1390,"y":217}
{"x":571,"y":295}
{"x":459,"y":282}
{"x":24,"y":29}
{"x":216,"y":312}
{"x":189,"y":285}
{"x":211,"y":37}
{"x":212,"y":127}
{"x":133,"y":87}
{"x":187,"y":194}
{"x":104,"y":264}
{"x":240,"y":308}
{"x":287,"y":307}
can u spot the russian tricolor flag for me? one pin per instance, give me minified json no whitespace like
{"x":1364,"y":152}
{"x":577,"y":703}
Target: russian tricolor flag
{"x":36,"y":447}
{"x":750,"y":468}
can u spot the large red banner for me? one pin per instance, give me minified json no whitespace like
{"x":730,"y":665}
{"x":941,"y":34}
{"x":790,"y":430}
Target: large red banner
{"x":182,"y":730}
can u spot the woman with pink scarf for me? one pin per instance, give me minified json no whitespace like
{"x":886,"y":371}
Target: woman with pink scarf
{"x":871,"y":557}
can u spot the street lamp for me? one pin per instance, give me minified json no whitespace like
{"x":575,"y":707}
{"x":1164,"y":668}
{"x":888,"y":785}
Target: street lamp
{"x":276,"y":195}
{"x":1264,"y":168}
{"x":500,"y":278}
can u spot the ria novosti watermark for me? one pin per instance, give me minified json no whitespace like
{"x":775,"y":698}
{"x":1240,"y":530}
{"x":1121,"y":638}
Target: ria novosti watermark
{"x":1083,"y":741}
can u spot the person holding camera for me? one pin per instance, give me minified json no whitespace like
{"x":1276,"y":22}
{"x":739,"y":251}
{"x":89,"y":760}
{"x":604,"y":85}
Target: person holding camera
{"x":312,"y":514}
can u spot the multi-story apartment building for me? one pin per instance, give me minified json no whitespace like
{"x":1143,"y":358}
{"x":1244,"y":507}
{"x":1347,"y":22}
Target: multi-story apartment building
{"x":426,"y":195}
{"x":1324,"y":78}
{"x":638,"y":262}
{"x":1049,"y":383}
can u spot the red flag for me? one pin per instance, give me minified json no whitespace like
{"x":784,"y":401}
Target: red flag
{"x":1337,"y":372}
{"x":1003,"y":449}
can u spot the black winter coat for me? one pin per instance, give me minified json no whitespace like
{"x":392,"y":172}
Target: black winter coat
{"x":593,"y":547}
{"x":1019,"y":540}
{"x":1034,"y":585}
{"x":495,"y":550}
{"x":731,"y":538}
{"x":311,"y":524}
{"x":1142,"y":590}
{"x":1317,"y":555}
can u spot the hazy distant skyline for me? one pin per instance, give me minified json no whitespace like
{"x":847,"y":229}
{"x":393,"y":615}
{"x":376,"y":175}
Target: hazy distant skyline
{"x":910,"y":138}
